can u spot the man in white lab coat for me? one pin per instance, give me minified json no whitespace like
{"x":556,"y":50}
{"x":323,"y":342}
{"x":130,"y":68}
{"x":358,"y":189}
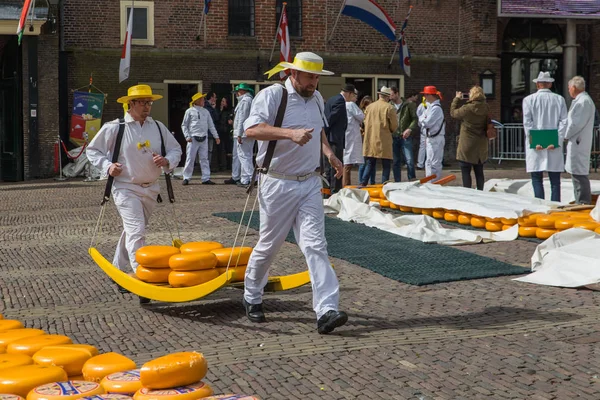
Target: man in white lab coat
{"x":580,"y":130}
{"x":433,"y":124}
{"x":244,"y":144}
{"x":544,"y":110}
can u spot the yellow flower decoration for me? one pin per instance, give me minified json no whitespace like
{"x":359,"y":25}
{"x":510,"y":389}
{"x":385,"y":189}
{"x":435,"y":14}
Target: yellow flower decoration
{"x":141,"y":145}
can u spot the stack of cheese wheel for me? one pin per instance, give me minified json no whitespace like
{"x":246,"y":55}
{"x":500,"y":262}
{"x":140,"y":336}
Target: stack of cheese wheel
{"x":239,"y":259}
{"x":124,"y":383}
{"x":195,"y":264}
{"x":154,"y":263}
{"x":176,"y":376}
{"x":542,"y":226}
{"x":65,"y":390}
{"x":70,"y":357}
{"x":376,"y":195}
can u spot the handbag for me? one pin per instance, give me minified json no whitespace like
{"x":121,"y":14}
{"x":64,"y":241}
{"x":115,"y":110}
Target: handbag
{"x":491,"y":131}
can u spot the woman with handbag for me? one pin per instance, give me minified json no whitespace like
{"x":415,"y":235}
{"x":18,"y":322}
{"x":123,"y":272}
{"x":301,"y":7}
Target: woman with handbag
{"x":473,"y":142}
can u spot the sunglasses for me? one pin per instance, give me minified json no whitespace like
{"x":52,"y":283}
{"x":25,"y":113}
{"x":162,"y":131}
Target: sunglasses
{"x":144,"y":103}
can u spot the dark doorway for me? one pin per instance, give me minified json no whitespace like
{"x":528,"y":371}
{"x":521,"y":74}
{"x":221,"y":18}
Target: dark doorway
{"x":363,"y":85}
{"x":180,"y":96}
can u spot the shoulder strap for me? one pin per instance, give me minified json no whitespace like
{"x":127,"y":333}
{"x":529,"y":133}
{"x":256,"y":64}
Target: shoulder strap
{"x":163,"y":152}
{"x":115,"y":158}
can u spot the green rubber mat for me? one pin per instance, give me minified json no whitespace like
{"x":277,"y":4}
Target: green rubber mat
{"x":399,"y":258}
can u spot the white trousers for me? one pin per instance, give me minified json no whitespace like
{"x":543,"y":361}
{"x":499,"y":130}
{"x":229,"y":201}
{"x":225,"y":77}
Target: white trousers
{"x":435,"y":154}
{"x":197,"y":149}
{"x":288,"y":204}
{"x":135,"y":205}
{"x":244,"y":153}
{"x":236,"y":167}
{"x":422,"y":151}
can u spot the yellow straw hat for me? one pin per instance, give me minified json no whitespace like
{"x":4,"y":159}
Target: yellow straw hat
{"x":139,"y":92}
{"x":305,"y":62}
{"x":196,"y":97}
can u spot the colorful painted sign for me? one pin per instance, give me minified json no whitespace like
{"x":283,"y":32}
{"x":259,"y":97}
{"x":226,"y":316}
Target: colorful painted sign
{"x":86,"y":119}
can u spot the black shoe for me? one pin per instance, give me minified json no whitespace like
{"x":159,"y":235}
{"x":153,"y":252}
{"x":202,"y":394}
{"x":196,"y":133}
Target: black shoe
{"x":331,"y":320}
{"x":144,"y":300}
{"x":185,"y":182}
{"x":208,"y":182}
{"x":254,"y":312}
{"x":230,"y":181}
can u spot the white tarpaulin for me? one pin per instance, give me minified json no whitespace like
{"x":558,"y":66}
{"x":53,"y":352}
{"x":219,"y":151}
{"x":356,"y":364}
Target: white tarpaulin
{"x":475,"y":202}
{"x":568,"y":259}
{"x":81,"y":166}
{"x":523,"y":187}
{"x":352,"y":205}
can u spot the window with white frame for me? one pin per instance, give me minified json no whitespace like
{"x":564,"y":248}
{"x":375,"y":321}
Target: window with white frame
{"x":143,"y":22}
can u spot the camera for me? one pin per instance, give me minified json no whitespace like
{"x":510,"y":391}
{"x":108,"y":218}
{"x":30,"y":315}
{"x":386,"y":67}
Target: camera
{"x":465,"y":96}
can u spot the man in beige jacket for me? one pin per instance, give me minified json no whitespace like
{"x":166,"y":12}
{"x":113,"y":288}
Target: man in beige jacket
{"x":380,"y":122}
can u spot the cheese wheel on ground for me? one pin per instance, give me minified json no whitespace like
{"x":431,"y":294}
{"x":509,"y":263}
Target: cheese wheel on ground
{"x":200,"y":247}
{"x":527,"y":231}
{"x":230,"y":397}
{"x":155,"y":256}
{"x":193,"y":261}
{"x":567,"y":223}
{"x":14,"y":360}
{"x":417,"y":210}
{"x":31,"y":345}
{"x":478,"y":222}
{"x":438,"y":213}
{"x":177,"y":369}
{"x":394,"y":206}
{"x":239,"y":273}
{"x":508,"y":221}
{"x":20,"y":380}
{"x":152,"y":275}
{"x":224,"y":254}
{"x":427,"y":211}
{"x":10,"y":397}
{"x":12,"y":335}
{"x":487,"y":219}
{"x":543,"y":233}
{"x":107,"y":396}
{"x":493,"y":226}
{"x":192,"y":278}
{"x":196,"y":391}
{"x":506,"y":227}
{"x":547,"y":221}
{"x":126,"y":382}
{"x":68,"y":357}
{"x":529,"y":220}
{"x":384,"y":203}
{"x":405,"y":209}
{"x":69,"y":390}
{"x":589,"y":225}
{"x":99,"y":366}
{"x":464,"y":219}
{"x":3,"y":348}
{"x":8,"y":324}
{"x":451,"y":216}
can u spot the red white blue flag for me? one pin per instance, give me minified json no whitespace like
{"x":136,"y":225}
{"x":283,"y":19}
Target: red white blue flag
{"x":371,"y":13}
{"x":206,"y":6}
{"x":404,"y":53}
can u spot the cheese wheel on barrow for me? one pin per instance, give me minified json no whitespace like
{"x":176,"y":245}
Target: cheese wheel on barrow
{"x":172,"y":370}
{"x":155,"y":256}
{"x":99,"y":366}
{"x":29,"y":346}
{"x":152,"y":275}
{"x":20,"y":380}
{"x":200,"y":247}
{"x":71,"y":358}
{"x":126,"y":382}
{"x":239,"y":273}
{"x":192,"y":261}
{"x":179,"y":279}
{"x":68,"y":390}
{"x":223,"y":256}
{"x":7,"y":337}
{"x":14,"y":360}
{"x":8,"y":324}
{"x":198,"y":390}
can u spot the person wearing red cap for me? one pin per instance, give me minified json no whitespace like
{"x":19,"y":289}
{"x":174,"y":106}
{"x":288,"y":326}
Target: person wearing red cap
{"x":434,"y":126}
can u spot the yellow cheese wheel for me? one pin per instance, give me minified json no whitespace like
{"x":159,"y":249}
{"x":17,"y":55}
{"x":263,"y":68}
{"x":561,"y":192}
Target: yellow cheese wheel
{"x":547,"y":221}
{"x":527,"y":231}
{"x":193,"y":261}
{"x":438,"y":213}
{"x":374,"y":193}
{"x":68,"y":357}
{"x":200,"y":247}
{"x":20,"y":380}
{"x":99,"y":366}
{"x":451,"y":216}
{"x":224,"y":254}
{"x":177,"y":369}
{"x":107,"y":396}
{"x":65,"y":390}
{"x":487,"y":219}
{"x":417,"y":210}
{"x":155,"y":256}
{"x":14,"y":360}
{"x":394,"y":206}
{"x":478,"y":222}
{"x":405,"y":209}
{"x":231,"y":397}
{"x":10,"y":397}
{"x":8,"y":324}
{"x":508,"y":221}
{"x":493,"y":226}
{"x":10,"y":336}
{"x":566,"y":223}
{"x":126,"y":382}
{"x":427,"y":211}
{"x":589,"y":225}
{"x":506,"y":227}
{"x":543,"y":233}
{"x":239,"y":273}
{"x":152,"y":275}
{"x":384,"y":203}
{"x":31,"y":345}
{"x":529,"y":220}
{"x":196,"y":391}
{"x":192,"y":278}
{"x":464,"y":219}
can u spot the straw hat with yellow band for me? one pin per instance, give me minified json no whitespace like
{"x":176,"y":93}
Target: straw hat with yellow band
{"x":138,"y":92}
{"x":196,"y":97}
{"x":305,"y":62}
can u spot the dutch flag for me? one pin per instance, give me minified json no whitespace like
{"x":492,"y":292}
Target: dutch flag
{"x":371,"y":13}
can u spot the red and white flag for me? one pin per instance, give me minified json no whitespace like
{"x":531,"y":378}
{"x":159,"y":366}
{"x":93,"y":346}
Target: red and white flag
{"x":283,"y":34}
{"x":22,"y":20}
{"x":126,"y":53}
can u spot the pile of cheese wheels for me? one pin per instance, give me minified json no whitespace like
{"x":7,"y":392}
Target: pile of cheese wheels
{"x":192,"y":264}
{"x":543,"y":226}
{"x":39,"y":366}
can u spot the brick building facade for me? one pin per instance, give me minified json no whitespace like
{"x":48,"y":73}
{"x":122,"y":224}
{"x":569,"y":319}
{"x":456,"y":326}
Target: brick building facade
{"x":452,"y":42}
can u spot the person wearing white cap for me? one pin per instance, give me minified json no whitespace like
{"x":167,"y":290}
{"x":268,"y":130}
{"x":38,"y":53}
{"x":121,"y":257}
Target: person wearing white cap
{"x":289,"y":191}
{"x":544,"y":110}
{"x":244,"y":144}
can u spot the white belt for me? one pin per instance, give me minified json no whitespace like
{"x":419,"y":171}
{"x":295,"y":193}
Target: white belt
{"x":298,"y":178}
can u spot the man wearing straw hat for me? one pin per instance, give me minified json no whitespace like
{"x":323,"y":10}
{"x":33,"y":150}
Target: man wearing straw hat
{"x":196,"y":125}
{"x":434,"y":126}
{"x":289,"y":190}
{"x":138,"y":168}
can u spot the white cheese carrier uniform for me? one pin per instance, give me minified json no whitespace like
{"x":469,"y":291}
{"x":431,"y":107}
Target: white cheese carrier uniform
{"x":290,"y":197}
{"x":135,"y":190}
{"x":245,"y":149}
{"x":433,"y":125}
{"x":196,"y":125}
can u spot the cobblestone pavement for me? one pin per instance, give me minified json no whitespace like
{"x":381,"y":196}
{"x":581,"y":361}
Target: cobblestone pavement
{"x":488,"y":338}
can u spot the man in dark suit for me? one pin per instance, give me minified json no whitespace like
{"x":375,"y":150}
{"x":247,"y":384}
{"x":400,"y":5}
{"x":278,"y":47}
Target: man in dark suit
{"x":337,"y":119}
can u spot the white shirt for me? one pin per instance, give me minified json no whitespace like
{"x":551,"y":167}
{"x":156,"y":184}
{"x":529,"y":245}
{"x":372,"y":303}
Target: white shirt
{"x":242,"y":111}
{"x":544,"y":110}
{"x":138,"y":166}
{"x":301,"y":113}
{"x":353,"y":151}
{"x":579,"y":133}
{"x":432,"y":120}
{"x":198,"y":122}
